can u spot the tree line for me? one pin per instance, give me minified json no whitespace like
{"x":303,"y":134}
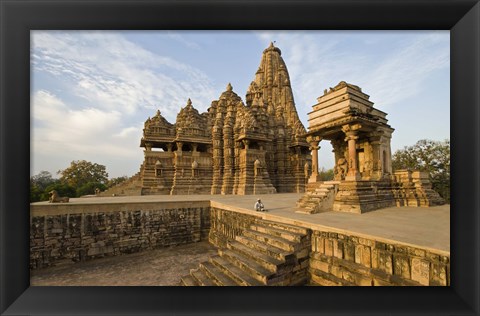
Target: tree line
{"x":80,"y":178}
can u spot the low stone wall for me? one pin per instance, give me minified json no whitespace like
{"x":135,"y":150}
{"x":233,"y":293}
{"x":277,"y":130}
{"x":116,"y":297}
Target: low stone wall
{"x":339,"y":259}
{"x":70,"y":233}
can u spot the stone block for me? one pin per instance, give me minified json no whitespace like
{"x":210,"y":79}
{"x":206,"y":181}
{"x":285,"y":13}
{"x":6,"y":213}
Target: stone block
{"x":329,"y":247}
{"x":363,"y":280}
{"x":366,"y":259}
{"x":348,"y":276}
{"x":336,"y":271}
{"x":302,"y":253}
{"x":366,"y":242}
{"x":438,"y":274}
{"x":380,"y":245}
{"x":385,"y":262}
{"x":420,"y":271}
{"x":338,"y":249}
{"x":320,"y":245}
{"x":358,"y":253}
{"x":349,"y":251}
{"x":322,"y":281}
{"x":319,"y":265}
{"x":401,"y":266}
{"x":363,"y":255}
{"x":416,"y":252}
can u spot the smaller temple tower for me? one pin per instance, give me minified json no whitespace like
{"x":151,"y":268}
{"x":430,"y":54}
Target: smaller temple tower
{"x":360,"y":137}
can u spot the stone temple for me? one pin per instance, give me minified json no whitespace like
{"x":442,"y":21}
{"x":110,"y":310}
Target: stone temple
{"x":363,"y":177}
{"x":234,"y":148}
{"x":261,"y":147}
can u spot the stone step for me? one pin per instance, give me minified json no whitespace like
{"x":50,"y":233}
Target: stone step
{"x":202,"y":278}
{"x":249,"y":266}
{"x":288,"y":227}
{"x":217,"y":275}
{"x":240,"y":276}
{"x":188,"y":280}
{"x":314,"y":198}
{"x":277,"y":232}
{"x":264,"y":260}
{"x":268,"y":250}
{"x":279,"y":242}
{"x":332,"y":182}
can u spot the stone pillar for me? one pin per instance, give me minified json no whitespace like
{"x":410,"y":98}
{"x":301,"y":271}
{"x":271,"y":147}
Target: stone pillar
{"x":377,"y":163}
{"x":179,"y":146}
{"x":351,"y":132}
{"x":148,"y":146}
{"x":228,"y":159}
{"x":169,"y":147}
{"x":314,"y":141}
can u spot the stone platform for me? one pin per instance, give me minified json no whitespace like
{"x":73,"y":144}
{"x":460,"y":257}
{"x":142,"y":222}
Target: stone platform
{"x":425,"y":227}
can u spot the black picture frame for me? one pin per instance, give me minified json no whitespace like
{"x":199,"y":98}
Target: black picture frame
{"x":18,"y":17}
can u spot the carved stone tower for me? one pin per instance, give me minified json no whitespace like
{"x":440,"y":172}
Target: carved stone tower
{"x":270,"y":95}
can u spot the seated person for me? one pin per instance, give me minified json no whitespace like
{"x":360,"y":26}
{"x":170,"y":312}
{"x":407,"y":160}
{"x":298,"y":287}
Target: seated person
{"x":259,"y":206}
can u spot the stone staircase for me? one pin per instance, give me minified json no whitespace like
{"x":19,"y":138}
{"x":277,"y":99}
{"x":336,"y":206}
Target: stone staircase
{"x":319,"y":198}
{"x":268,"y":253}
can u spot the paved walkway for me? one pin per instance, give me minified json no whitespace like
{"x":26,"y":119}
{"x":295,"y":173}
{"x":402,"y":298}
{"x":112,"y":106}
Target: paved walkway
{"x":163,"y":266}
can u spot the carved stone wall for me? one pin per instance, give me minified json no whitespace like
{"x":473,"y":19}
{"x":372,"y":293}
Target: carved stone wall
{"x":71,"y":233}
{"x":340,"y":259}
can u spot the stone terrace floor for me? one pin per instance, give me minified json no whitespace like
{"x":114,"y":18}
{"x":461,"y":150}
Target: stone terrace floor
{"x":159,"y":267}
{"x":423,"y":227}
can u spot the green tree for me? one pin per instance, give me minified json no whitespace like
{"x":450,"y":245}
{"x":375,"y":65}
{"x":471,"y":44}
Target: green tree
{"x":326,"y":175}
{"x":82,"y":172}
{"x":430,"y":156}
{"x":39,"y":184}
{"x":89,"y":188}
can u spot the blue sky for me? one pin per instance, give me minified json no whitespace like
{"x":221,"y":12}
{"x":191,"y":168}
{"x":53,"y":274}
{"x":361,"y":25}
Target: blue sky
{"x":92,"y":91}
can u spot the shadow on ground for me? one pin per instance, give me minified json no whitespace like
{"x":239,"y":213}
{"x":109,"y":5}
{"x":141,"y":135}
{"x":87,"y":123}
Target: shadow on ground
{"x":158,"y":267}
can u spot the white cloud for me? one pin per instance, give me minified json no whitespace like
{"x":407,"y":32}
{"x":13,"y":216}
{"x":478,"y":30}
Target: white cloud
{"x":179,"y":38}
{"x":69,"y":134}
{"x":104,"y":84}
{"x":110,"y":72}
{"x":315,"y":64}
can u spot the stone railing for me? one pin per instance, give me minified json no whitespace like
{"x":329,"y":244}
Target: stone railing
{"x":71,"y":233}
{"x":338,"y":259}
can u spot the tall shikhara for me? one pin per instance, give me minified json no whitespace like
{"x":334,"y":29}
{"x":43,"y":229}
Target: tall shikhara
{"x":234,"y":148}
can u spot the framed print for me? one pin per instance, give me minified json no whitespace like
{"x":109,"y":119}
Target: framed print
{"x":462,"y":19}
